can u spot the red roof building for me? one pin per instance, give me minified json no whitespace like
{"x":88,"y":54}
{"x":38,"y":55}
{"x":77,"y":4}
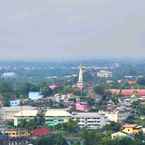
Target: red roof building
{"x":54,"y":86}
{"x":128,"y":92}
{"x":39,"y":132}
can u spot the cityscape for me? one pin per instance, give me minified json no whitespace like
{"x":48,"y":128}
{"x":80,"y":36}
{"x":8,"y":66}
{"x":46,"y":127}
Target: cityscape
{"x":72,"y":72}
{"x":97,"y":98}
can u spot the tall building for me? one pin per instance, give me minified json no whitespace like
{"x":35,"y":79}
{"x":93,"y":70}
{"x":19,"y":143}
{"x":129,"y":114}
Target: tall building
{"x":80,"y":81}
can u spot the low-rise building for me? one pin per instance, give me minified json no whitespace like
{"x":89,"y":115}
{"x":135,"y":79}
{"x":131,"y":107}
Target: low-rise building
{"x":82,"y":106}
{"x":54,"y":117}
{"x":119,"y":134}
{"x":128,"y":92}
{"x":8,"y":113}
{"x":131,"y":128}
{"x":15,"y":102}
{"x":104,"y":74}
{"x":24,"y":114}
{"x":91,"y":120}
{"x":18,"y":133}
{"x":40,"y":132}
{"x":35,"y":96}
{"x":117,"y":115}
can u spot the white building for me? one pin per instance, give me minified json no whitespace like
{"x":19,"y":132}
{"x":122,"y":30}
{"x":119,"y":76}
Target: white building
{"x":104,"y":74}
{"x":35,"y":95}
{"x":15,"y":102}
{"x":8,"y":75}
{"x":91,"y":120}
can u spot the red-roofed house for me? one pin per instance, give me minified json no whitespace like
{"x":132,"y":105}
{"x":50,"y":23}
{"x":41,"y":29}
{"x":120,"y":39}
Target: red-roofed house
{"x":39,"y":132}
{"x":128,"y":92}
{"x":82,"y":106}
{"x":54,"y":86}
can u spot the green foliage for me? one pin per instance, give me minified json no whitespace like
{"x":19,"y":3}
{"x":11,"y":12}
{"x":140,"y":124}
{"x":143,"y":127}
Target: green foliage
{"x":45,"y":90}
{"x":71,"y":126}
{"x":112,"y":127}
{"x":31,"y":124}
{"x":99,"y":90}
{"x":141,"y":81}
{"x":115,"y":99}
{"x":89,"y":137}
{"x":57,"y":139}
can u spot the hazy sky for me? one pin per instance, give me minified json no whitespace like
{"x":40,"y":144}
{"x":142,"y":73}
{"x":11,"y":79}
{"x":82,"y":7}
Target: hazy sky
{"x":71,"y":28}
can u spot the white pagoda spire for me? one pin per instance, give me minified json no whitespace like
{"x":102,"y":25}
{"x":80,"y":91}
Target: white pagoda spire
{"x":80,"y":81}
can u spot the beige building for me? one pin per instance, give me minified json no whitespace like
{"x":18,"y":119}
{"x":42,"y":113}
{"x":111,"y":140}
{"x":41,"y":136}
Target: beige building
{"x":24,"y":114}
{"x":8,"y":113}
{"x":116,"y":116}
{"x":131,"y":128}
{"x":54,"y":117}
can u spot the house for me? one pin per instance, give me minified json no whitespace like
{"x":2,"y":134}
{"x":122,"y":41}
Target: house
{"x":132,"y":82}
{"x":54,"y":86}
{"x":54,"y":117}
{"x":40,"y":132}
{"x":35,"y":96}
{"x":131,"y":128}
{"x":128,"y":92}
{"x":17,"y":133}
{"x":15,"y":102}
{"x":82,"y":106}
{"x":119,"y":134}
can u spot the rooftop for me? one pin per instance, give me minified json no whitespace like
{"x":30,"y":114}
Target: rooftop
{"x":131,"y":126}
{"x":88,"y":114}
{"x":27,"y":113}
{"x":57,"y":112}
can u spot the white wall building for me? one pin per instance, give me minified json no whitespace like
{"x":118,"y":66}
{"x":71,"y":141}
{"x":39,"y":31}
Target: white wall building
{"x":104,"y":74}
{"x":15,"y":102}
{"x":91,"y":120}
{"x":35,"y":95}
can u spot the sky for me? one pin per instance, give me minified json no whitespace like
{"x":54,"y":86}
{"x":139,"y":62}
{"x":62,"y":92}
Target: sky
{"x":56,"y":29}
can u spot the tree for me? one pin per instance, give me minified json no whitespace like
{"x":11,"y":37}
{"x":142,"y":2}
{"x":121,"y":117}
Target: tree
{"x":141,"y":81}
{"x":71,"y":126}
{"x":99,"y":90}
{"x":89,"y":137}
{"x":31,"y":124}
{"x":112,"y":127}
{"x":115,"y":99}
{"x":57,"y":139}
{"x":45,"y":90}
